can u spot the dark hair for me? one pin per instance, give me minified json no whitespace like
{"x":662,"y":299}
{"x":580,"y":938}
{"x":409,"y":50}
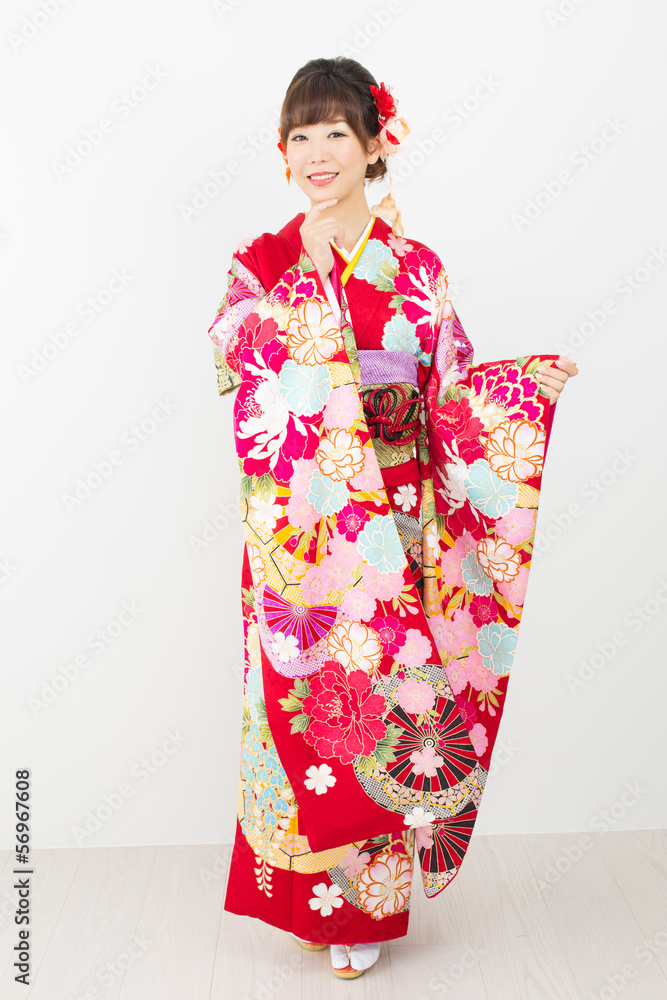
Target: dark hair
{"x":326,"y":90}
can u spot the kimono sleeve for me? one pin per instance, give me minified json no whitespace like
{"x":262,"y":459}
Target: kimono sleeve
{"x":244,"y":291}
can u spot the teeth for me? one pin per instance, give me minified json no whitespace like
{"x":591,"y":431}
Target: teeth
{"x":321,"y":177}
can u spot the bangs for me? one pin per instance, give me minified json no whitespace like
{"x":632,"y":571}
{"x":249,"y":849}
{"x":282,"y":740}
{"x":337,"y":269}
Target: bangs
{"x":320,"y":99}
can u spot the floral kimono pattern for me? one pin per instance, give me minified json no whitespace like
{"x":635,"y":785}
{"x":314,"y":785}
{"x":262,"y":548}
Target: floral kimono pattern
{"x":389,"y":491}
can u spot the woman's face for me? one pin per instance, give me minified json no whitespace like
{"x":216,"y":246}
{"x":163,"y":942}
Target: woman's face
{"x":314,"y":152}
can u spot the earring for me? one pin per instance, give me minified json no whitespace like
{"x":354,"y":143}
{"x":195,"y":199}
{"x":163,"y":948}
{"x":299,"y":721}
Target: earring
{"x":288,"y":174}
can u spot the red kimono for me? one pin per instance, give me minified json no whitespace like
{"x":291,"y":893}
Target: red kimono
{"x":389,"y":492}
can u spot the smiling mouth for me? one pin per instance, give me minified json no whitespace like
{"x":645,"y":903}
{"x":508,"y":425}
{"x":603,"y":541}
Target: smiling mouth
{"x":322,"y":176}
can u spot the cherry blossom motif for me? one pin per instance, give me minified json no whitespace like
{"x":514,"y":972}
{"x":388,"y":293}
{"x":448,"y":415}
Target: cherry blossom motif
{"x":358,"y":604}
{"x":345,"y":553}
{"x":450,"y":561}
{"x":475,"y":673}
{"x":343,"y":407}
{"x":416,"y":650}
{"x":382,"y":586}
{"x":285,"y":647}
{"x":515,"y":450}
{"x":340,"y":455}
{"x":399,"y":245}
{"x":423,"y":837}
{"x":369,"y":477}
{"x":294,"y":289}
{"x":313,"y":336}
{"x":263,"y":514}
{"x":460,"y":631}
{"x":426,"y":762}
{"x":418,"y":817}
{"x":383,"y":887}
{"x":405,"y":497}
{"x":243,"y":245}
{"x":514,"y":590}
{"x":320,"y":779}
{"x":499,"y":560}
{"x":483,"y":609}
{"x":518,"y":525}
{"x":354,"y":861}
{"x":478,"y":738}
{"x":316,"y":585}
{"x":326,"y":898}
{"x":415,"y":697}
{"x":355,"y":646}
{"x":351,"y":520}
{"x":390,"y":632}
{"x":301,"y":513}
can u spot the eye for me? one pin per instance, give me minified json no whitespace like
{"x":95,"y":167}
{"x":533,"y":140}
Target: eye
{"x":336,"y":132}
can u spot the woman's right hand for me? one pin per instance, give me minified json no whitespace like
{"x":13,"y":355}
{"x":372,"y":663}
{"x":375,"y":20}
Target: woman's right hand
{"x":316,"y":231}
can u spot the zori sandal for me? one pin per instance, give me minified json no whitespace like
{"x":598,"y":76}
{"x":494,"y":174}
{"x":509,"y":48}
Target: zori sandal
{"x":310,"y":945}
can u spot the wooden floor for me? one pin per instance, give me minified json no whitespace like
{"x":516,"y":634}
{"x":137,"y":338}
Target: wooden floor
{"x":527,"y":917}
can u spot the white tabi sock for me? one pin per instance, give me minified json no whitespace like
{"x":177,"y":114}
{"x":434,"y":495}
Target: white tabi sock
{"x":362,"y":956}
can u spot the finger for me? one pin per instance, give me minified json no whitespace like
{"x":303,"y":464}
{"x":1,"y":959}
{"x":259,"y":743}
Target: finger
{"x":313,"y":213}
{"x":552,"y":376}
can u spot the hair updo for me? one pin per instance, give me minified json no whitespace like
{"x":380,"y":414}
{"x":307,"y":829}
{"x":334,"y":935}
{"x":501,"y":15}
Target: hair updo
{"x":326,"y":90}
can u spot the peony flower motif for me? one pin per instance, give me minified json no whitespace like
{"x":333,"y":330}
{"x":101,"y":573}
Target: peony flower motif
{"x":327,"y":495}
{"x":380,"y":545}
{"x":418,"y":818}
{"x":305,"y":389}
{"x":416,"y":650}
{"x":498,"y":559}
{"x":355,"y":646}
{"x":256,"y":565}
{"x":399,"y":334}
{"x":405,"y":497}
{"x":370,"y":477}
{"x":313,"y":336}
{"x":345,"y":714}
{"x":497,"y":643}
{"x":415,"y":696}
{"x":340,"y":455}
{"x":383,"y":887}
{"x":487,"y":491}
{"x":474,"y":578}
{"x":320,"y":779}
{"x":326,"y":898}
{"x":426,"y":762}
{"x":515,"y":449}
{"x":284,"y":647}
{"x":424,"y":287}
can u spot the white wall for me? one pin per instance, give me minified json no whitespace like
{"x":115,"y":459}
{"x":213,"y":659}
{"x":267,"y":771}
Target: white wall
{"x":218,"y":73}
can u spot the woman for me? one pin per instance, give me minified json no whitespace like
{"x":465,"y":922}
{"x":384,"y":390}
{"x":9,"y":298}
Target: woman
{"x":389,"y":491}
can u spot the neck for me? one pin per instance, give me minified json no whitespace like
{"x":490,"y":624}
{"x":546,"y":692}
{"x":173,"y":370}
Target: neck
{"x":353,"y":214}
